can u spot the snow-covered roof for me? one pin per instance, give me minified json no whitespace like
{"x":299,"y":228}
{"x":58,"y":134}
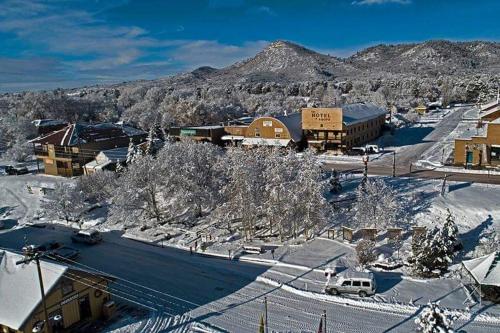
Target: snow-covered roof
{"x":115,"y":154}
{"x":485,"y":269}
{"x":489,"y":105}
{"x":47,"y":122}
{"x":80,"y":133}
{"x":19,"y":288}
{"x":358,"y":112}
{"x":490,"y":111}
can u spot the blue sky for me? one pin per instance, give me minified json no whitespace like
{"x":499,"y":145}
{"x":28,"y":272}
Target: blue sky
{"x":56,"y":43}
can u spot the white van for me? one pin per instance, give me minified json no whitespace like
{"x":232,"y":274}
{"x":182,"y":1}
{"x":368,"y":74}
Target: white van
{"x":352,"y":282}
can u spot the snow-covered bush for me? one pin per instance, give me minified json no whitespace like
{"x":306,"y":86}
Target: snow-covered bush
{"x":20,"y":152}
{"x":65,"y":202}
{"x":365,"y":251}
{"x":433,"y":319}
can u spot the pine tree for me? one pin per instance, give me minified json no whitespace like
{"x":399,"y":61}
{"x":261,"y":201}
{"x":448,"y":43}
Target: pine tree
{"x":433,"y":319}
{"x":130,"y":152}
{"x":149,"y":143}
{"x":119,"y":167}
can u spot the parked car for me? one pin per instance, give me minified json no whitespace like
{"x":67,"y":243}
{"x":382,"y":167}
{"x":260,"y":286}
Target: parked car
{"x":16,"y":170}
{"x":372,"y":149}
{"x":49,"y":246}
{"x":352,"y":282}
{"x":64,"y":253}
{"x":356,"y":151}
{"x":90,"y":236}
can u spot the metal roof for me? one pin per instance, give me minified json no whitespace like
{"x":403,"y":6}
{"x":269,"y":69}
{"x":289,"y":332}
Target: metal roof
{"x":485,"y":269}
{"x":359,"y":112}
{"x":293,"y":123}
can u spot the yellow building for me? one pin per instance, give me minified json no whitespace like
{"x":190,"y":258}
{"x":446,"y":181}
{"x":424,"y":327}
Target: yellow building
{"x":73,"y":297}
{"x":340,"y":129}
{"x":421,"y":109}
{"x":481,"y":150}
{"x":282,"y":131}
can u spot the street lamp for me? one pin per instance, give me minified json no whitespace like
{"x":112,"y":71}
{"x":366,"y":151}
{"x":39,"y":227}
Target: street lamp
{"x":366,"y":159}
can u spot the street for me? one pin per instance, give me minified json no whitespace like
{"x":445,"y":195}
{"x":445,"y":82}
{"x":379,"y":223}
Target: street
{"x":216,"y":292}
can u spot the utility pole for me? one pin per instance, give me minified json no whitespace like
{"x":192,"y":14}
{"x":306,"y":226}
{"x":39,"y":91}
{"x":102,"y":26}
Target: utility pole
{"x":265,"y":308}
{"x":31,"y":254}
{"x":394,"y":163}
{"x":324,"y":315}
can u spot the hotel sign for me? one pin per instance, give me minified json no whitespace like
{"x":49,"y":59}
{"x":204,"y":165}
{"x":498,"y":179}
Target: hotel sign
{"x":322,"y":118}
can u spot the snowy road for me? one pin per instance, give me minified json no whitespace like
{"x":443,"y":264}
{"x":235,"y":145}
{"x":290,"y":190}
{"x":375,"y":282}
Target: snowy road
{"x":217,"y":292}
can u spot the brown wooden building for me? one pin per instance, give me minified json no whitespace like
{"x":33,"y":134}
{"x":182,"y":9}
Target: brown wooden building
{"x":340,"y":129}
{"x":73,"y":297}
{"x":282,"y":131}
{"x":64,"y":152}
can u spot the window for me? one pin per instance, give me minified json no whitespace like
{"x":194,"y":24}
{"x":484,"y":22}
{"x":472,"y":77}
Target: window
{"x":66,"y":287}
{"x":257,"y":133}
{"x":356,"y":283}
{"x":366,"y":284}
{"x":495,"y":153}
{"x":61,"y":164}
{"x":277,"y":135}
{"x":346,"y":284}
{"x":75,"y":150}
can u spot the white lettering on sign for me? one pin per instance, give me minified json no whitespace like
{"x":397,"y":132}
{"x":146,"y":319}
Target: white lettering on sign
{"x":278,"y":130}
{"x":267,"y":123}
{"x":69,"y":299}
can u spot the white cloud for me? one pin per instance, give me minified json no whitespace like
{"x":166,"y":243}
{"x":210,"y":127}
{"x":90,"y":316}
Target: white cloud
{"x":380,"y":2}
{"x":212,"y":53}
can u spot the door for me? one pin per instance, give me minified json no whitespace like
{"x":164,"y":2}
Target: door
{"x":84,"y":304}
{"x":70,"y":313}
{"x":469,"y":157}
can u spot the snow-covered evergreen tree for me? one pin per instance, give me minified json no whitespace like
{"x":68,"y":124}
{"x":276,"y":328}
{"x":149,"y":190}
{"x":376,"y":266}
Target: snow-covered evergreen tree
{"x":130,"y":152}
{"x":150,"y":141}
{"x":433,"y":319}
{"x":433,"y":251}
{"x":119,"y":167}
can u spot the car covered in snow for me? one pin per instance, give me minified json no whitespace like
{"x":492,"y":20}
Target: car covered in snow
{"x":90,"y":236}
{"x":352,"y":282}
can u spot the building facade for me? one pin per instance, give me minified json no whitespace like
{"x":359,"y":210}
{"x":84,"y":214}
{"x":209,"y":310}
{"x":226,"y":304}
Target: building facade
{"x":211,"y":134}
{"x":64,"y":152}
{"x":73,"y":297}
{"x":340,"y":129}
{"x":480,"y":150}
{"x":282,"y":131}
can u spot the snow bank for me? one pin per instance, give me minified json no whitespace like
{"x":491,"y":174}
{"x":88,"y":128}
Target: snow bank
{"x":396,"y":308}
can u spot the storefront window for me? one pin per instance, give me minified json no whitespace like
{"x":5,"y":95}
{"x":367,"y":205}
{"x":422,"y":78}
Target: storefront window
{"x":495,"y":153}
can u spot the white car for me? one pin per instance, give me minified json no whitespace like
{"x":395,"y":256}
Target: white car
{"x":352,"y":282}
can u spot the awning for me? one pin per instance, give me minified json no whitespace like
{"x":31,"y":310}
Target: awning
{"x":232,"y":137}
{"x":485,"y":270}
{"x":265,"y":142}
